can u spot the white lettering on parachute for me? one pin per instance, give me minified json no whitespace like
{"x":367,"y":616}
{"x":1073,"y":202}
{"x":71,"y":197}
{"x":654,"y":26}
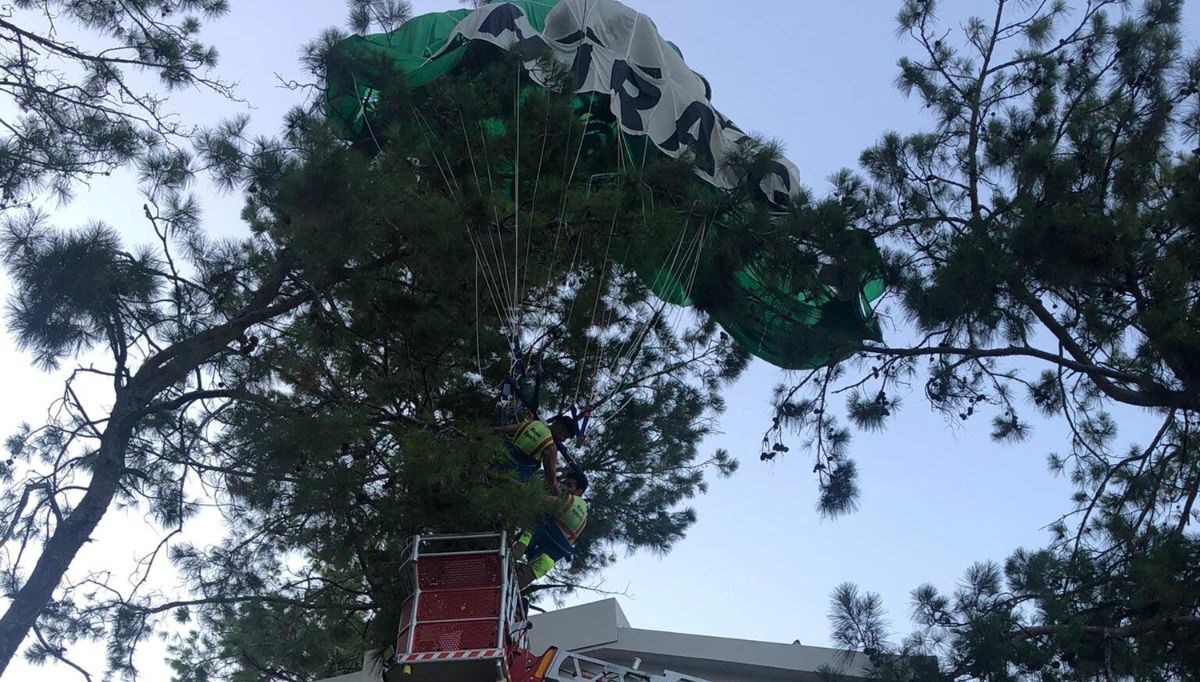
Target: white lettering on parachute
{"x":613,"y":50}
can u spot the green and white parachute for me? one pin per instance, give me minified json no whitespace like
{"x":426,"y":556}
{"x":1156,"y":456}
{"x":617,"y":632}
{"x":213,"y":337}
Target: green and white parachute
{"x":637,"y":85}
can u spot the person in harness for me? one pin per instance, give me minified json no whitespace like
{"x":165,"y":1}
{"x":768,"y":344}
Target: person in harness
{"x":553,"y":537}
{"x":533,"y":444}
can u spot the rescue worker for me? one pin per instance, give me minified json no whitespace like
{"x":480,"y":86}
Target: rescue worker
{"x":533,"y":444}
{"x":553,"y":537}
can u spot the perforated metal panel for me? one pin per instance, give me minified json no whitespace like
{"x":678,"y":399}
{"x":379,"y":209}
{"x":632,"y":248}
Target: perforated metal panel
{"x":406,"y":612}
{"x":464,"y":571}
{"x":459,"y":604}
{"x":456,"y":635}
{"x":402,"y":641}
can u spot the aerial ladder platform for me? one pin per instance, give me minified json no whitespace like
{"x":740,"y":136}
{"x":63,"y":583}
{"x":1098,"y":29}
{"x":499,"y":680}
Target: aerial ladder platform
{"x":464,"y":621}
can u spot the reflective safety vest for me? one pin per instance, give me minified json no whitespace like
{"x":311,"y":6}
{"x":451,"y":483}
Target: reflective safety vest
{"x":533,"y":439}
{"x":571,"y":517}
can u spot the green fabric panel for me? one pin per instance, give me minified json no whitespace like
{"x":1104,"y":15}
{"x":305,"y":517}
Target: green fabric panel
{"x":359,"y":65}
{"x":412,"y":46}
{"x":793,"y":331}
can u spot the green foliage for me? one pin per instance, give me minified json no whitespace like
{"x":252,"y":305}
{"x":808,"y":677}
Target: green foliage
{"x":1041,"y":243}
{"x":384,"y":14}
{"x":1047,"y":615}
{"x":328,"y":384}
{"x":70,"y":286}
{"x":377,"y":400}
{"x":80,"y":109}
{"x":1048,"y":217}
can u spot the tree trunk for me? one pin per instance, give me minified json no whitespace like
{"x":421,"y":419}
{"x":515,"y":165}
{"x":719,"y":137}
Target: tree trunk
{"x":68,"y":538}
{"x":158,"y":373}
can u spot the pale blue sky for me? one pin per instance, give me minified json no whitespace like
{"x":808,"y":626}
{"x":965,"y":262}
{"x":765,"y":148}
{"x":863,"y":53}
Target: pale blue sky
{"x":759,"y":564}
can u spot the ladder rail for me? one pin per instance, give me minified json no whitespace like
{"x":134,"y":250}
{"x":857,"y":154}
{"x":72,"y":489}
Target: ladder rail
{"x":568,"y":666}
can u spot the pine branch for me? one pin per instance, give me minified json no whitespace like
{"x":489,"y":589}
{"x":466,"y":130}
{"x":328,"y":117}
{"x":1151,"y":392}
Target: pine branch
{"x":57,"y":654}
{"x":1129,"y":631}
{"x":1151,"y":396}
{"x":193,"y":396}
{"x":1159,"y":397}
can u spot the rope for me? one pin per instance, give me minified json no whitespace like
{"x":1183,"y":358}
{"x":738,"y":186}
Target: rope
{"x":536,"y":185}
{"x":479,"y":188}
{"x":620,"y":149}
{"x":478,"y":351}
{"x":596,"y":305}
{"x":667,"y":270}
{"x":517,"y":204}
{"x":427,"y":131}
{"x":568,"y":178}
{"x":362,"y":107}
{"x":497,"y":250}
{"x":635,"y":343}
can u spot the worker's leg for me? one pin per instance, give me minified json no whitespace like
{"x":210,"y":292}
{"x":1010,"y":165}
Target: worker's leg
{"x":537,"y":567}
{"x":524,"y":576}
{"x":522,"y":544}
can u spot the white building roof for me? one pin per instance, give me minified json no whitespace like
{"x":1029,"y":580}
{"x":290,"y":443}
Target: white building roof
{"x":601,"y":630}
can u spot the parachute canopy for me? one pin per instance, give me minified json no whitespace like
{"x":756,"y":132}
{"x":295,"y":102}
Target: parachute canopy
{"x":615,"y":56}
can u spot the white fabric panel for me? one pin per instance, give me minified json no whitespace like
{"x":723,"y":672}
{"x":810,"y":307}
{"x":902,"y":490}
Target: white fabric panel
{"x":617,"y":51}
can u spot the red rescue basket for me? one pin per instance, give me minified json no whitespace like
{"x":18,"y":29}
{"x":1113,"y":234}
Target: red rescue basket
{"x":463,"y":619}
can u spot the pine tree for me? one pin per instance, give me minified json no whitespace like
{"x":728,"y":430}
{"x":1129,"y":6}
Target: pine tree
{"x":74,"y":108}
{"x":175,"y":329}
{"x":1041,"y":240}
{"x":384,"y":392}
{"x":329,"y":384}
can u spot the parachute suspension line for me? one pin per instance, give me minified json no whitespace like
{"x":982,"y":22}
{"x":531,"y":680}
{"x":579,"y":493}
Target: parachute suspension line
{"x":456,"y":193}
{"x":478,"y":351}
{"x":451,"y":181}
{"x":600,"y":364}
{"x":514,"y":341}
{"x":698,"y":245}
{"x":487,"y":277}
{"x":687,"y":281}
{"x":690,"y":279}
{"x":595,"y":306}
{"x":568,"y":178}
{"x":667,"y":268}
{"x":569,"y":168}
{"x":665,"y":271}
{"x":363,"y":109}
{"x":571,"y":269}
{"x":516,"y":208}
{"x":537,"y":181}
{"x":677,"y":265}
{"x":496,"y":242}
{"x":498,"y":278}
{"x":612,"y":309}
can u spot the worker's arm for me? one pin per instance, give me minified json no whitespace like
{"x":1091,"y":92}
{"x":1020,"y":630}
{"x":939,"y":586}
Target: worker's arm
{"x":511,"y":428}
{"x":550,"y":466}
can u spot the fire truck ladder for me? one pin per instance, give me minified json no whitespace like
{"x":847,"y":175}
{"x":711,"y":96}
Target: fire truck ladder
{"x":565,"y":666}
